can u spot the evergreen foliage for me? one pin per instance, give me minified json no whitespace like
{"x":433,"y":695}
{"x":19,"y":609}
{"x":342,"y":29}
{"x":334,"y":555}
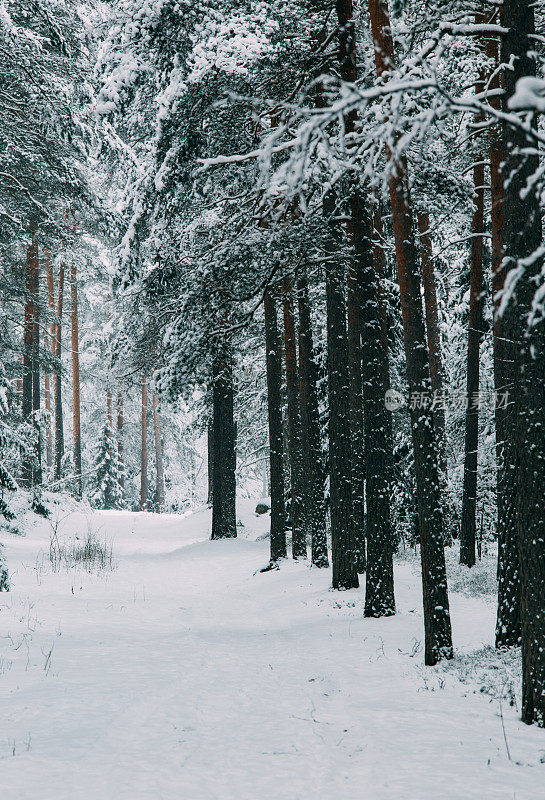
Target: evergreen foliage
{"x":107,"y":489}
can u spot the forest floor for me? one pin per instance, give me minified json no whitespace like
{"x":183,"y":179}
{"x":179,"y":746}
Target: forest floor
{"x":183,"y":673}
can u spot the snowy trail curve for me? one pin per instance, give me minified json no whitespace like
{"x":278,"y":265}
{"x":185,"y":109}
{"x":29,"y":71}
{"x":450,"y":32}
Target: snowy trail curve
{"x":184,"y":675}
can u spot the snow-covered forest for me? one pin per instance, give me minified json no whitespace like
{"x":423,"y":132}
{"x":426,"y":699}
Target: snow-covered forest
{"x":272,"y":399}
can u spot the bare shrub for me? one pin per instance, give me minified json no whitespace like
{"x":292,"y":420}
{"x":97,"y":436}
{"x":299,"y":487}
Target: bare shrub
{"x":91,"y":553}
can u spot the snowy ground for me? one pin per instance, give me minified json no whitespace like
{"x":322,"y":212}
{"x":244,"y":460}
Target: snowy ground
{"x":182,"y":675}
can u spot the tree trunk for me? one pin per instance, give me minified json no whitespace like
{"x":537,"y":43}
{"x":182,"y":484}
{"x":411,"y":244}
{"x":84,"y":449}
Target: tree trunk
{"x":356,"y":412}
{"x":27,"y":465}
{"x":437,"y":625}
{"x":433,"y":329}
{"x":48,"y":387}
{"x":37,"y":470}
{"x":274,"y":408}
{"x":210,"y":459}
{"x":109,"y":409}
{"x":345,"y":575}
{"x":144,"y":447}
{"x":508,"y":626}
{"x":224,"y":523}
{"x":523,"y":238}
{"x":367,"y":318}
{"x":468,"y":528}
{"x":121,"y":465}
{"x":348,"y":72}
{"x":75,"y":381}
{"x":297,"y":512}
{"x":59,"y":427}
{"x":379,"y":587}
{"x":160,"y":485}
{"x":310,"y":421}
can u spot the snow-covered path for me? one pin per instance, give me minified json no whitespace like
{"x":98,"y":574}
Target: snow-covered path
{"x":182,"y":675}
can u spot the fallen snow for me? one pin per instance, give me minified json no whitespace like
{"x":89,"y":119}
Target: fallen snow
{"x":184,"y":674}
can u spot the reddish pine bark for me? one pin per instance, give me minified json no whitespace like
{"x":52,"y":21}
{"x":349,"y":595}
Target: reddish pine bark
{"x":437,"y":626}
{"x":59,"y":427}
{"x":120,"y":456}
{"x":48,"y":388}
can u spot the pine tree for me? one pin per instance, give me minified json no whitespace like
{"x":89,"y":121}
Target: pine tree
{"x":159,"y":499}
{"x":76,"y":415}
{"x":107,"y":492}
{"x":526,"y":450}
{"x":59,"y":420}
{"x":224,"y":521}
{"x":343,"y":549}
{"x":379,"y":585}
{"x":437,"y":625}
{"x":144,"y":446}
{"x":274,"y":407}
{"x":295,"y":446}
{"x":468,"y":531}
{"x":433,"y":330}
{"x":8,"y":484}
{"x":310,"y":423}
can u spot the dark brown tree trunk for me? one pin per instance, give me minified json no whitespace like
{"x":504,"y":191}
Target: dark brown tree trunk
{"x":160,"y":482}
{"x":433,"y":329}
{"x":437,"y":625}
{"x":310,"y":420}
{"x":508,"y":625}
{"x":144,"y":447}
{"x":59,"y":426}
{"x":379,"y":264}
{"x":120,"y":457}
{"x":274,"y":409}
{"x":468,"y":530}
{"x":27,"y":355}
{"x":36,"y":405}
{"x":356,"y":410}
{"x":297,"y":510}
{"x":523,"y":238}
{"x":75,"y":381}
{"x":210,"y":459}
{"x":224,"y":523}
{"x":343,"y":560}
{"x":31,"y":382}
{"x":379,"y":591}
{"x":48,"y":384}
{"x":379,"y":586}
{"x":109,"y":409}
{"x":348,"y":72}
{"x":19,"y":381}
